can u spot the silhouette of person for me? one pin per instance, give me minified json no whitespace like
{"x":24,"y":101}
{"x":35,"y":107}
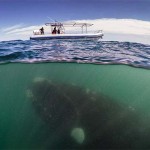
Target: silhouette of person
{"x":54,"y":31}
{"x":42,"y":30}
{"x":58,"y":31}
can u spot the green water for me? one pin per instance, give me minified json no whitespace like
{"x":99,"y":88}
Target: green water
{"x":21,"y":127}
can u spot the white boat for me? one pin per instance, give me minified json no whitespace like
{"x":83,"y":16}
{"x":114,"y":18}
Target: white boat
{"x":58,"y":32}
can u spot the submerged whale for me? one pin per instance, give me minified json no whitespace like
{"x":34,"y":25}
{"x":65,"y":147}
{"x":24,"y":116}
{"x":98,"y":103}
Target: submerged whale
{"x":83,"y":119}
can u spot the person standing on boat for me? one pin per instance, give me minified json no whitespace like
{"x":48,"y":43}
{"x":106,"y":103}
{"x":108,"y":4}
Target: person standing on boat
{"x":58,"y":31}
{"x":54,"y":31}
{"x":42,"y":30}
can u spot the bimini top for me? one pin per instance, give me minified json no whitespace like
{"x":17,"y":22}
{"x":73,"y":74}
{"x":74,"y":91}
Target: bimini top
{"x":61,"y":25}
{"x":71,"y":24}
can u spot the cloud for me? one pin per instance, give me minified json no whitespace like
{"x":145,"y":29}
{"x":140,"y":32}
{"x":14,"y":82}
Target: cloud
{"x":19,"y":31}
{"x":12,"y":28}
{"x":24,"y":30}
{"x":123,"y":29}
{"x":120,"y":26}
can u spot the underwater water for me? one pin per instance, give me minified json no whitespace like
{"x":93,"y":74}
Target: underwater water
{"x":54,"y":104}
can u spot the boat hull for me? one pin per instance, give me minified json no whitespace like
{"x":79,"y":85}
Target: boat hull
{"x":67,"y":36}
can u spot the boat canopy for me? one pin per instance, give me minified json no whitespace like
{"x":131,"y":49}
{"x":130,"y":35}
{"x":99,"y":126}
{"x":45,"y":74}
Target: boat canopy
{"x":69,"y":24}
{"x":72,"y":24}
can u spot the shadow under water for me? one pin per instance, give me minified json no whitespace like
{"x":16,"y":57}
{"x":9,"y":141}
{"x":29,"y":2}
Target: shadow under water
{"x":83,"y":119}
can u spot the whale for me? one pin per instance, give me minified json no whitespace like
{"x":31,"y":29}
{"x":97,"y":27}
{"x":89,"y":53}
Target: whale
{"x":80,"y":118}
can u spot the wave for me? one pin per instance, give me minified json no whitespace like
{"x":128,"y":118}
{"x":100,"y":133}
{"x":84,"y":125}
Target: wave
{"x":102,"y":52}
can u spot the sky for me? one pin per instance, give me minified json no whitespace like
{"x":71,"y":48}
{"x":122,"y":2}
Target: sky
{"x":117,"y":18}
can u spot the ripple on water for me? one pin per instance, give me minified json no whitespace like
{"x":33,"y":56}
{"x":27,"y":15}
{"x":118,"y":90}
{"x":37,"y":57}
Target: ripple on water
{"x":103,"y":52}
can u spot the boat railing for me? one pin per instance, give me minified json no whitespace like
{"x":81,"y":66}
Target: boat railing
{"x":38,"y":32}
{"x":99,"y":31}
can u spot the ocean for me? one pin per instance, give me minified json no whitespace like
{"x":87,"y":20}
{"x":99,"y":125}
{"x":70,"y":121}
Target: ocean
{"x":74,"y":95}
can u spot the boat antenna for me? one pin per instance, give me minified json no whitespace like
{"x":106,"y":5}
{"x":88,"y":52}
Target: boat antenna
{"x":51,"y":19}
